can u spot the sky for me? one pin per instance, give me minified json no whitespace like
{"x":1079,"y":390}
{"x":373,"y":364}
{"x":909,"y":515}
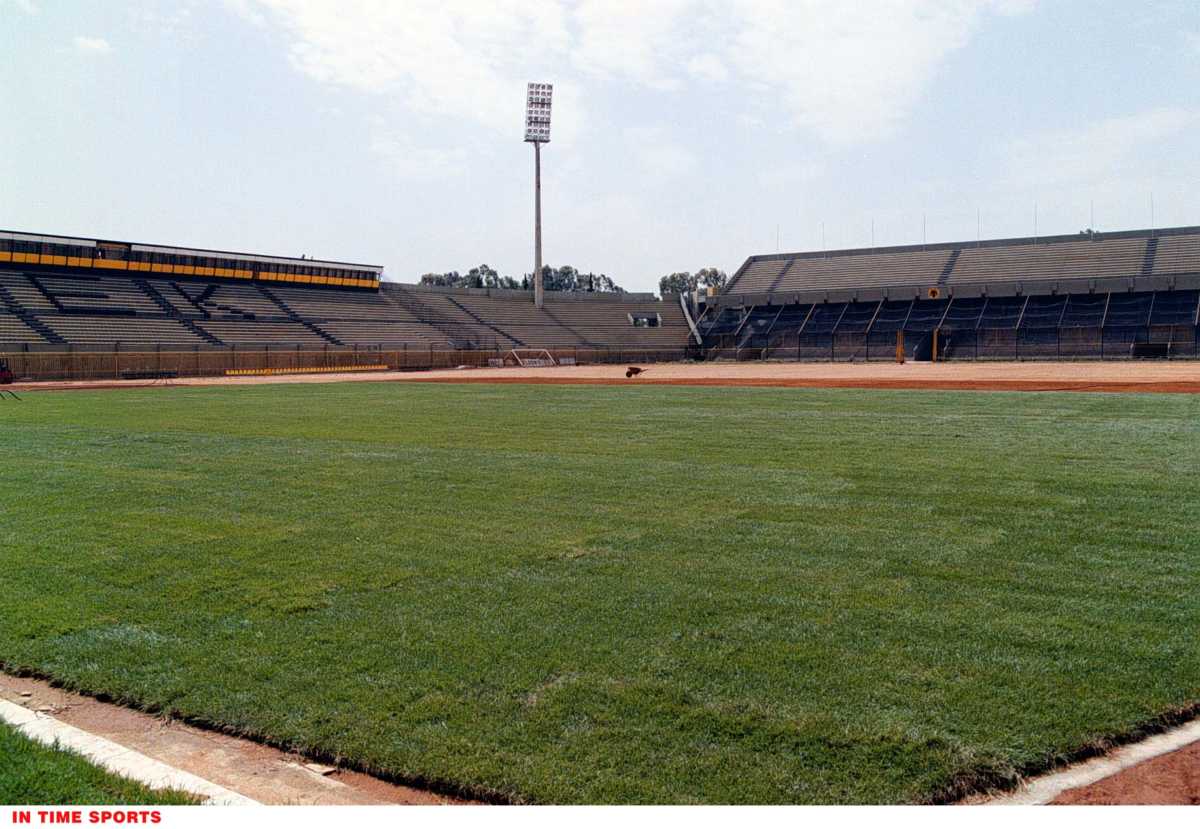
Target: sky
{"x":686,"y":133}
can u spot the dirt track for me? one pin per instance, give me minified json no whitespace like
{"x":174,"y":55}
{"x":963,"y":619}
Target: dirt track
{"x":1172,"y":779}
{"x":1176,"y":377}
{"x":260,"y":772}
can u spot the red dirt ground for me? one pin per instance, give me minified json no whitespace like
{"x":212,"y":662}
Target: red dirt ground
{"x":1176,"y":377}
{"x":260,"y":772}
{"x":1170,"y":780}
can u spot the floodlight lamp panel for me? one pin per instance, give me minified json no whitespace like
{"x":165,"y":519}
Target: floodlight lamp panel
{"x":538,"y":102}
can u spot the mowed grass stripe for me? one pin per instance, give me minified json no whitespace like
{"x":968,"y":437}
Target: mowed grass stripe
{"x":564,"y":594}
{"x":45,"y":775}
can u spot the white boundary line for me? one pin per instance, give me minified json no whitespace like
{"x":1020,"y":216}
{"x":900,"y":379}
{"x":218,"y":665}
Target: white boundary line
{"x":117,"y":758}
{"x":1043,"y":789}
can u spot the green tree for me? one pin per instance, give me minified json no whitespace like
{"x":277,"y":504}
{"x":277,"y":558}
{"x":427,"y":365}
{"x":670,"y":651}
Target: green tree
{"x":568,"y":279}
{"x":483,"y":276}
{"x":442,"y":280}
{"x":711,"y":278}
{"x":679,"y":282}
{"x":682,"y":282}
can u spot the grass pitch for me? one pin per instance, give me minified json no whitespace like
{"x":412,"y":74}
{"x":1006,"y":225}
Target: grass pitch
{"x":558,"y":593}
{"x":31,"y":773}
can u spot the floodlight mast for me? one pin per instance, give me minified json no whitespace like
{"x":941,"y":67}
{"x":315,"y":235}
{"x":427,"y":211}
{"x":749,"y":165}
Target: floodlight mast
{"x":537,"y":132}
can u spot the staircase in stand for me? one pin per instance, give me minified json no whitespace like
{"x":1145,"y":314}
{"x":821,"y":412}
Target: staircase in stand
{"x":944,"y":277}
{"x":559,"y":322}
{"x":53,"y":300}
{"x":294,"y":317}
{"x":482,"y":321}
{"x":457,"y":334}
{"x":172,"y":312}
{"x":1151,"y":253}
{"x":10,"y":302}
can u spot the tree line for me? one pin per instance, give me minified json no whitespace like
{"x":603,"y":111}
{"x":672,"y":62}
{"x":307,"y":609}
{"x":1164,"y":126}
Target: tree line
{"x":683,"y":282}
{"x":565,"y":278}
{"x":569,"y":279}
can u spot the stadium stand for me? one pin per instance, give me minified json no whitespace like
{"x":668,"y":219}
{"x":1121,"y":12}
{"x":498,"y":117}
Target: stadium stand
{"x":23,"y":292}
{"x":59,"y":293}
{"x":102,"y":330}
{"x":1082,"y":296}
{"x":1089,"y":295}
{"x":14,"y":330}
{"x":833,"y":271}
{"x":1178,"y":254}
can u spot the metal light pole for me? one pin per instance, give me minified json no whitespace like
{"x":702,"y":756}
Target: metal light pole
{"x":537,"y":132}
{"x":538,"y":295}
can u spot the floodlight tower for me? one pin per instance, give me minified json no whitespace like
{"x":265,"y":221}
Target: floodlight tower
{"x":537,"y":132}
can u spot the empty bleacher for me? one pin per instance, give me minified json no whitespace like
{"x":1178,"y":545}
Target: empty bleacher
{"x":949,"y":265}
{"x":1129,"y":310}
{"x":24,"y":292}
{"x":926,"y":316}
{"x":99,"y":294}
{"x":1043,"y":312}
{"x":1049,"y":261}
{"x":1079,"y":296}
{"x":387,"y":332}
{"x":226,"y":301}
{"x":82,"y":329}
{"x":1084,"y":311}
{"x":260,"y":332}
{"x":176,"y":299}
{"x":1178,"y":254}
{"x":965,"y":313}
{"x":854,"y":269}
{"x":1001,"y":312}
{"x":97,"y":309}
{"x":892,"y":316}
{"x":14,"y":330}
{"x":789,"y":322}
{"x":1176,"y":308}
{"x":858,"y":317}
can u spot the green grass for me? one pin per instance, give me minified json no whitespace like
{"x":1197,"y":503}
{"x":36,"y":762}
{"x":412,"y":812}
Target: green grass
{"x":556,"y":593}
{"x":31,"y":773}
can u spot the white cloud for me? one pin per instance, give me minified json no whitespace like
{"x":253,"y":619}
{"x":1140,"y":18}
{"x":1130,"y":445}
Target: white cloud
{"x":26,"y":6}
{"x":1193,"y":40}
{"x":847,"y":72}
{"x":658,"y":154}
{"x":1120,"y":148}
{"x":92,"y":45}
{"x":791,"y":175}
{"x":630,"y":39}
{"x":247,"y":10}
{"x":707,"y":68}
{"x":443,"y":57}
{"x":173,"y":23}
{"x":411,"y":160}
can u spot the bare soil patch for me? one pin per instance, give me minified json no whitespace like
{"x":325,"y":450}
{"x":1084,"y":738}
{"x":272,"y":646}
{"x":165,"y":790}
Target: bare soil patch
{"x":260,"y":772}
{"x":1170,"y":780}
{"x":1116,"y":377}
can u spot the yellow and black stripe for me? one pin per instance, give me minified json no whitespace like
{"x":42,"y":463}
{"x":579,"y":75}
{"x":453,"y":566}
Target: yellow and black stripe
{"x":64,"y":252}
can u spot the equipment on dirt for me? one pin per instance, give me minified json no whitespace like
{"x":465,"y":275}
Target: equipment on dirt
{"x":530,"y":358}
{"x":633,"y":371}
{"x":6,"y":378}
